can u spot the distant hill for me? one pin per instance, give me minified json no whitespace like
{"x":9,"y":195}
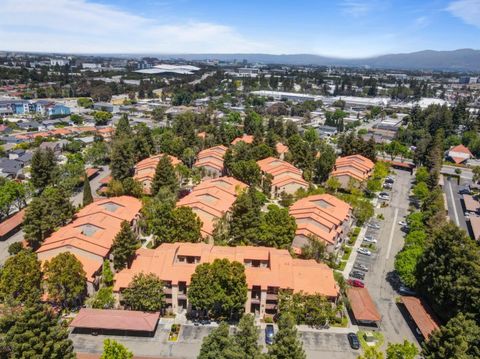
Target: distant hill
{"x":456,"y":60}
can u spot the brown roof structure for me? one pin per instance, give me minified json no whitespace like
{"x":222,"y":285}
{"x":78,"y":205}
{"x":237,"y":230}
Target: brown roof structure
{"x":111,"y":319}
{"x":471,"y":204}
{"x":354,"y":166}
{"x":475,"y":225}
{"x":363,"y":307}
{"x":421,"y":315}
{"x":11,"y":223}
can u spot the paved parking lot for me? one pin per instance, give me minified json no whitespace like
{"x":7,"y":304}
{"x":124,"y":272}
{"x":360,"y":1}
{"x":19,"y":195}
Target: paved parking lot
{"x":327,"y":345}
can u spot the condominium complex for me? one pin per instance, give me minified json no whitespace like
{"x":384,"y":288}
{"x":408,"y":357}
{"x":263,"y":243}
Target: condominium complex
{"x":267,"y":271}
{"x":352,"y":168}
{"x":210,"y":161}
{"x":286,"y":178}
{"x":145,"y":170}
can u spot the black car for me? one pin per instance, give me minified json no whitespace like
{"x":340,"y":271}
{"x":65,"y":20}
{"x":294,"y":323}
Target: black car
{"x":269,"y":333}
{"x":465,"y":191}
{"x":357,"y":274}
{"x":353,"y":340}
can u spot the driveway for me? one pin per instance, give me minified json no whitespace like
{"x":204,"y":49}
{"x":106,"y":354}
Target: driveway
{"x":454,"y":202}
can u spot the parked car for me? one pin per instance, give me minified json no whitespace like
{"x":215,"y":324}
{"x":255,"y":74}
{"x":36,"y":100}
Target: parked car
{"x":403,"y":290}
{"x":464,"y":191}
{"x":389,"y":180}
{"x":361,"y":267}
{"x":373,"y":225}
{"x":353,"y":340}
{"x":384,"y":194}
{"x":369,"y":239}
{"x":269,"y":334}
{"x":364,"y":251}
{"x":383,"y":197}
{"x":387,"y":186}
{"x":403,"y":223}
{"x":356,"y":283}
{"x":357,"y":274}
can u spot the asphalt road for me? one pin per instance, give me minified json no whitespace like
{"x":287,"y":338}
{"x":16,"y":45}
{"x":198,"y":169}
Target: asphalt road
{"x":381,"y":263}
{"x":454,"y":204}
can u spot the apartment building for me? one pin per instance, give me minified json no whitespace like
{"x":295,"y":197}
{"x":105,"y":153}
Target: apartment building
{"x":248,"y":139}
{"x":267,"y":270}
{"x":281,"y":150}
{"x":286,"y":178}
{"x":323,"y":217}
{"x":354,"y":167}
{"x":145,"y":170}
{"x":211,"y":199}
{"x":210,"y":160}
{"x":91,"y":233}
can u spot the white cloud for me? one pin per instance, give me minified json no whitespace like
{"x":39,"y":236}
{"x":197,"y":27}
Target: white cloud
{"x":83,"y":26}
{"x":467,"y":10}
{"x":356,"y":8}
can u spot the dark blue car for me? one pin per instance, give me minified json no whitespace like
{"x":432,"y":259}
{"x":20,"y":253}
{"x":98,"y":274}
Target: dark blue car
{"x":269,"y":333}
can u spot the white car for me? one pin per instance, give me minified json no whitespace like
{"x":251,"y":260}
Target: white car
{"x":373,"y":225}
{"x":403,"y":223}
{"x":364,"y":251}
{"x":369,"y":239}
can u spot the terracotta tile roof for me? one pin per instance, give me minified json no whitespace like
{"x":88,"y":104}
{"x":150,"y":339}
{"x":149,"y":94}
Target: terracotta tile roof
{"x":355,"y":166}
{"x":282,"y":172}
{"x":11,"y":223}
{"x":281,"y":148}
{"x":202,"y":135}
{"x":245,"y":138}
{"x":320,"y":215}
{"x":212,"y":157}
{"x":363,"y":307}
{"x":145,"y":169}
{"x":281,"y":270}
{"x":421,"y":315}
{"x":91,"y":171}
{"x":475,"y":225}
{"x":60,"y":131}
{"x":211,"y":199}
{"x":461,"y":149}
{"x":92,"y":231}
{"x":115,"y":319}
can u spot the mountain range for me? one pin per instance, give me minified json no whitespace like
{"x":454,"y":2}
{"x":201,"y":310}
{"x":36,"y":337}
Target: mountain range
{"x":455,"y":60}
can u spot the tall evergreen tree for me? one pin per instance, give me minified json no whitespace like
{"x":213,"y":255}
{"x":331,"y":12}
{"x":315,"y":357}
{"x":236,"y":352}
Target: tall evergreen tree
{"x":123,"y":128}
{"x":165,"y":176}
{"x":324,"y":164}
{"x":35,"y":332}
{"x":20,"y":279}
{"x":245,"y":223}
{"x":43,"y":168}
{"x":65,"y":280}
{"x":122,"y":158}
{"x":219,"y":344}
{"x":246,"y":338}
{"x":124,"y":246}
{"x":286,"y":345}
{"x":87,"y":192}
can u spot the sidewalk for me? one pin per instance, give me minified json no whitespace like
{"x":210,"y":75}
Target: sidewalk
{"x":353,"y":254}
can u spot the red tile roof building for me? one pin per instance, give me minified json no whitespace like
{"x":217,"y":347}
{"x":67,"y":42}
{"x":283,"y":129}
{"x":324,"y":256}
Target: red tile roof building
{"x":248,"y":139}
{"x":267,"y":271}
{"x":421,"y":315}
{"x":322,"y":216}
{"x":211,"y":199}
{"x":281,"y":150}
{"x":210,"y":160}
{"x":90,"y":235}
{"x":354,"y":167}
{"x":11,"y":224}
{"x":459,"y":154}
{"x":145,"y":170}
{"x":364,"y":309}
{"x":286,"y":177}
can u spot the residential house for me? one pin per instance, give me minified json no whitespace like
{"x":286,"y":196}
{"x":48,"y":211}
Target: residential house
{"x":212,"y":199}
{"x":91,"y":233}
{"x":57,"y":146}
{"x":459,"y":154}
{"x":210,"y":161}
{"x":286,"y":178}
{"x":354,"y":168}
{"x":321,"y":217}
{"x":281,"y":150}
{"x":267,"y":270}
{"x":145,"y":170}
{"x":10,"y":168}
{"x":248,"y":139}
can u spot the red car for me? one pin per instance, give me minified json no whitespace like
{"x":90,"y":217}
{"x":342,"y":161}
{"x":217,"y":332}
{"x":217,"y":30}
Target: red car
{"x":356,"y":283}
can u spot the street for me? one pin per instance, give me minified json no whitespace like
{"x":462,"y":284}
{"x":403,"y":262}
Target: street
{"x":454,"y":202}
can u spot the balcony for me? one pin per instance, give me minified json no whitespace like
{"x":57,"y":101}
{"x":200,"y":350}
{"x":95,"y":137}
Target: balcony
{"x":167,"y":290}
{"x":255,"y":300}
{"x":182,"y":296}
{"x":272,"y":296}
{"x":271,"y":306}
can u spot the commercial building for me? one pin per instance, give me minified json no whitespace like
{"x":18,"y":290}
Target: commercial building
{"x":285,"y":177}
{"x":354,"y":167}
{"x":145,"y":170}
{"x":212,"y":199}
{"x":91,"y":233}
{"x":321,"y":217}
{"x":267,"y":271}
{"x":210,"y":161}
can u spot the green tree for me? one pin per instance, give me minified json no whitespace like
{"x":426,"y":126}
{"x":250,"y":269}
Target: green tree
{"x":124,"y":245}
{"x":122,"y":158}
{"x":457,"y":339}
{"x":65,"y":280}
{"x":107,"y":274}
{"x":219,"y":287}
{"x":15,"y":248}
{"x":35,"y":332}
{"x":421,"y":191}
{"x":20,"y":279}
{"x":406,"y":264}
{"x":286,"y":344}
{"x":87,"y":192}
{"x":103,"y":299}
{"x":246,"y":337}
{"x":85,"y":102}
{"x":324,"y":164}
{"x":45,"y":213}
{"x":143,"y":142}
{"x":97,"y":153}
{"x":101,"y":117}
{"x":144,"y":293}
{"x":405,"y":350}
{"x":114,"y":350}
{"x":476,"y":173}
{"x":277,"y":228}
{"x":165,"y":176}
{"x":449,"y":272}
{"x":247,"y":172}
{"x":43,"y":168}
{"x":245,"y":222}
{"x":219,"y":344}
{"x":371,"y":353}
{"x":123,"y":129}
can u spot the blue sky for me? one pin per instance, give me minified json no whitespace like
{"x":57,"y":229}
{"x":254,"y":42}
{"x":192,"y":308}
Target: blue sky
{"x":345,"y":28}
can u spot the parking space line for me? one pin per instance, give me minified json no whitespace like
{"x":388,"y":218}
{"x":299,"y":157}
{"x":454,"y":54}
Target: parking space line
{"x":457,"y":221}
{"x":392,"y":231}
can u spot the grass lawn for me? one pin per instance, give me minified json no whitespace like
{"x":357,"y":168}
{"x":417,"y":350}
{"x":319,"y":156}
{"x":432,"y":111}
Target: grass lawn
{"x":377,"y":335}
{"x":346,"y":254}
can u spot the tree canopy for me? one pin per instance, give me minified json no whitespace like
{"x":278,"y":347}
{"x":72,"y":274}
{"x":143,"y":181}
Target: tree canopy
{"x":114,"y":350}
{"x":286,"y":344}
{"x":144,"y":293}
{"x":124,"y":245}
